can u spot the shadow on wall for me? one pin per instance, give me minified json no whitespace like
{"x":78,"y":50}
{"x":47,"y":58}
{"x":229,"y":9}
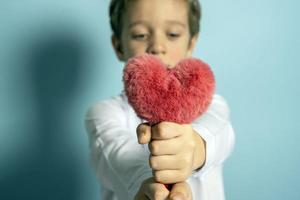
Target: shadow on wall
{"x":54,"y":64}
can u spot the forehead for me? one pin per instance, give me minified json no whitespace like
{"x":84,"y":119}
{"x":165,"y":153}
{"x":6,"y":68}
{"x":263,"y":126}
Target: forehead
{"x":156,"y":11}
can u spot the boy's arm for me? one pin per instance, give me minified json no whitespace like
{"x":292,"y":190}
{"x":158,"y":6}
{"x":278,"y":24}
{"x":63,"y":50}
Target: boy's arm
{"x":120,"y":162}
{"x":215,"y":128}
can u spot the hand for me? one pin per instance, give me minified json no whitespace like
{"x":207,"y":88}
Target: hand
{"x":181,"y":191}
{"x":157,"y":191}
{"x":152,"y":190}
{"x":175,"y":149}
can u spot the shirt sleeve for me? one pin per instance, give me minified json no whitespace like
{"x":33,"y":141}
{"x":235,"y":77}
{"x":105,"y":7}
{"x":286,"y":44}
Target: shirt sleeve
{"x":215,"y":128}
{"x":121,"y":164}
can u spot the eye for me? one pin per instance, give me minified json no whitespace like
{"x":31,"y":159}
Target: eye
{"x":173,"y":35}
{"x":139,"y":37}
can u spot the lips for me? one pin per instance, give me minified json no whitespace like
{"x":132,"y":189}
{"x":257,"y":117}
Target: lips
{"x":158,"y":93}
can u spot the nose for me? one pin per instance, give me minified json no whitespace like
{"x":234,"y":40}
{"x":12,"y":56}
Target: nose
{"x":156,"y":46}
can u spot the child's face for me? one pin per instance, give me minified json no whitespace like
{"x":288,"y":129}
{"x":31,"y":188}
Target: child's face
{"x":158,"y":27}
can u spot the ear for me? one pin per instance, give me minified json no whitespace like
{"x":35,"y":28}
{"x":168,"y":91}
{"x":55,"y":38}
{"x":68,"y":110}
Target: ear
{"x":117,"y":47}
{"x":192,"y":45}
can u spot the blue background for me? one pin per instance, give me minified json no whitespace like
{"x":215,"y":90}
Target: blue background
{"x":56,"y":60}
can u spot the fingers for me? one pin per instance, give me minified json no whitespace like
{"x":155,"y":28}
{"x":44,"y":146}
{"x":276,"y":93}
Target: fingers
{"x":143,"y":132}
{"x":165,"y":147}
{"x":170,"y":176}
{"x":165,"y":130}
{"x":160,"y":131}
{"x":167,"y":162}
{"x":157,"y":191}
{"x":152,"y":190}
{"x":181,"y":191}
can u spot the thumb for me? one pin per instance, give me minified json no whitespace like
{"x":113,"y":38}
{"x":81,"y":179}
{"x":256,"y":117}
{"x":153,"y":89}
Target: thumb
{"x":181,"y":191}
{"x":143,"y":132}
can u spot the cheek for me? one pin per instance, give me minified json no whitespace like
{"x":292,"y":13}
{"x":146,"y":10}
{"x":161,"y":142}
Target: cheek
{"x":135,"y":49}
{"x":179,"y":51}
{"x":131,"y":48}
{"x":177,"y":54}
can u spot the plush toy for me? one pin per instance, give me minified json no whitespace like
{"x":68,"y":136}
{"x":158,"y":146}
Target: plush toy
{"x":158,"y":93}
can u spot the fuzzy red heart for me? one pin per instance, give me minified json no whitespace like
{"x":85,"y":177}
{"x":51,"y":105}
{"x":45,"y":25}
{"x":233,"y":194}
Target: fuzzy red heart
{"x":157,"y":93}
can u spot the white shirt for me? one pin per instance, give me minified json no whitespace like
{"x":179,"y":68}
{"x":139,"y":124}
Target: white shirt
{"x":121,"y":164}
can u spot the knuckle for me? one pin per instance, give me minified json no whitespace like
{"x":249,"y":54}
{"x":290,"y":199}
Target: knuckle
{"x":157,"y":176}
{"x":152,"y":162}
{"x":161,"y":130}
{"x":154,"y":147}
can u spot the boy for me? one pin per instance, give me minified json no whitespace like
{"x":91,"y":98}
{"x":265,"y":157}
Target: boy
{"x":188,"y":155}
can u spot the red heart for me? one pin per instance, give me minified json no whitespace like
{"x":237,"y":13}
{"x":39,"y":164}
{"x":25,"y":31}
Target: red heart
{"x":179,"y":94}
